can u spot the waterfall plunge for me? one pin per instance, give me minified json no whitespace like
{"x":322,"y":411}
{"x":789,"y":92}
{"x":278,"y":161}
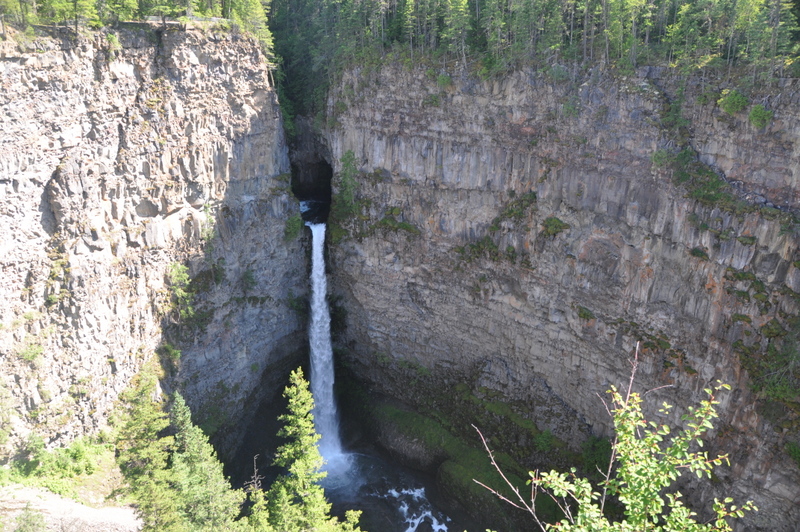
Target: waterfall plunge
{"x":325,"y":415}
{"x":347,"y":473}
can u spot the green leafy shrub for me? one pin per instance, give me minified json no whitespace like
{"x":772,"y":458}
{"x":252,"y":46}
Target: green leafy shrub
{"x":294,"y":224}
{"x":54,"y":470}
{"x":773,"y":329}
{"x":595,"y":456}
{"x":31,"y":352}
{"x":248,"y":280}
{"x":759,"y":116}
{"x":700,"y":253}
{"x":29,"y":520}
{"x":343,"y":205}
{"x":661,"y":158}
{"x":793,"y":450}
{"x":732,"y":101}
{"x":178,"y":276}
{"x":544,"y":441}
{"x":648,"y":458}
{"x":585,"y":314}
{"x":552,"y":226}
{"x":444,"y":81}
{"x":391,"y":223}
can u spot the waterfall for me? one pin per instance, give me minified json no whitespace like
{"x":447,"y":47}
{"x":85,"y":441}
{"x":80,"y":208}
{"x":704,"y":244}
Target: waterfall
{"x":325,"y":415}
{"x":354,"y":477}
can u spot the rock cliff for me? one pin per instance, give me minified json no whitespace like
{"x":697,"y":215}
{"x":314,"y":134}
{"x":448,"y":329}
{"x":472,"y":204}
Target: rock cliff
{"x":122,"y":153}
{"x":515,"y":236}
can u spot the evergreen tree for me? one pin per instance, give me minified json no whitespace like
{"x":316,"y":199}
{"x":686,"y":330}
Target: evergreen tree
{"x":296,"y":500}
{"x":144,"y":455}
{"x":207,"y":501}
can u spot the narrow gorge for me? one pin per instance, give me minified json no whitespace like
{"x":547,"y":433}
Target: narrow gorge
{"x":508,"y":242}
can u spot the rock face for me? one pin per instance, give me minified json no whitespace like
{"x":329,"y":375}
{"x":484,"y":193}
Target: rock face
{"x":120,"y":154}
{"x":453,"y":274}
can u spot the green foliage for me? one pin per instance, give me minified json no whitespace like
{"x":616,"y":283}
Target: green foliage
{"x":648,"y":458}
{"x":700,"y":253}
{"x":30,"y":520}
{"x":293,"y":227}
{"x":170,"y":356}
{"x":6,"y":410}
{"x":483,"y":247}
{"x":544,"y":441}
{"x":178,"y":483}
{"x":515,"y":210}
{"x":595,"y":456}
{"x":344,"y":204}
{"x":248,"y":280}
{"x":31,"y":352}
{"x":661,"y":158}
{"x":143,"y":454}
{"x":773,"y":329}
{"x":318,"y":38}
{"x":741,"y":317}
{"x":703,"y":184}
{"x":759,"y":116}
{"x":585,"y":314}
{"x":552,"y":226}
{"x":296,"y":500}
{"x":56,"y":469}
{"x":444,"y":81}
{"x":672,"y":115}
{"x":732,"y":101}
{"x":178,"y":276}
{"x":775,"y":372}
{"x":205,"y":498}
{"x":389,"y":222}
{"x":793,"y":450}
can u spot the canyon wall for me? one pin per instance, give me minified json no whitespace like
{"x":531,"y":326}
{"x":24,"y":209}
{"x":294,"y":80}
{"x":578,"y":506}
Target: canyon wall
{"x":123,"y":153}
{"x":515,"y":237}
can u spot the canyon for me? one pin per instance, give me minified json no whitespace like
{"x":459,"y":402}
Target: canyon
{"x":515,"y":238}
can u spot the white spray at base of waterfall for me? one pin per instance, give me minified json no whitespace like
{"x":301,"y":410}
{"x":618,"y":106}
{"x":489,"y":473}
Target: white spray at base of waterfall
{"x":416,"y":509}
{"x":326,"y":418}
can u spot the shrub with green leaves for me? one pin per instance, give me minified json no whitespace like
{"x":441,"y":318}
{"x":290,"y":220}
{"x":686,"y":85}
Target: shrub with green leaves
{"x":294,"y":224}
{"x":793,"y":450}
{"x":732,"y":101}
{"x":178,"y":276}
{"x":553,"y":226}
{"x":661,"y":158}
{"x":647,"y":458}
{"x":344,"y":205}
{"x":759,"y":116}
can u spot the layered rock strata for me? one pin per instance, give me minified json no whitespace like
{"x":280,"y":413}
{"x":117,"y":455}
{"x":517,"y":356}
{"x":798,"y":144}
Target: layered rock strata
{"x":515,"y":236}
{"x":121,"y":154}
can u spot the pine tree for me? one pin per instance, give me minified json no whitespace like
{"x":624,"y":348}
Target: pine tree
{"x":296,"y":500}
{"x":144,"y":455}
{"x":206,"y":500}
